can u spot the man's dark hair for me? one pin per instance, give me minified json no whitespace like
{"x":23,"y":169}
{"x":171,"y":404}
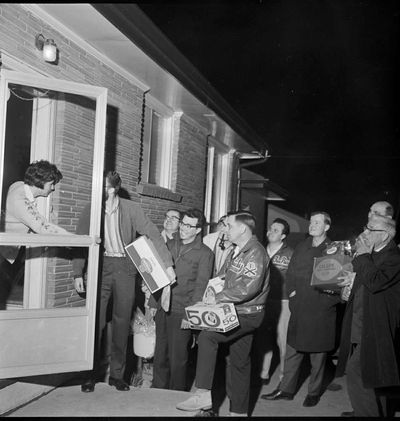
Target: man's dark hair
{"x":286,"y":226}
{"x":114,"y":179}
{"x":40,"y":172}
{"x":246,"y":218}
{"x":327,"y":218}
{"x":196,"y":213}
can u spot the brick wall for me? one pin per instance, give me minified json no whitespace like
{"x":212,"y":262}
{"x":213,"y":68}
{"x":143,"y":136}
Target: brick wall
{"x":18,"y":29}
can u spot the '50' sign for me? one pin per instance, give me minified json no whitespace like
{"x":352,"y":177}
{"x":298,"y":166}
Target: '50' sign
{"x":207,"y":318}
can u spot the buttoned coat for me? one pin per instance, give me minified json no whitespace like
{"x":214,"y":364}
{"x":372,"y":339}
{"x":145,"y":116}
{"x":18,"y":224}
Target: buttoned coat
{"x":379,"y":274}
{"x":313,"y":313}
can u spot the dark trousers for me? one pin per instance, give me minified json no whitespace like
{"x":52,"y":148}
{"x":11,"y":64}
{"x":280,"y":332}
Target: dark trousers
{"x":171,"y":352}
{"x":364,"y":401}
{"x":118,"y":282}
{"x":240,"y":341}
{"x":293,"y":360}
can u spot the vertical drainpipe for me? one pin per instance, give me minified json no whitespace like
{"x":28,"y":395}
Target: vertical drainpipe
{"x":257,"y":161}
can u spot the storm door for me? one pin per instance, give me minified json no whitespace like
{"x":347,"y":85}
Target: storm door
{"x":45,"y":326}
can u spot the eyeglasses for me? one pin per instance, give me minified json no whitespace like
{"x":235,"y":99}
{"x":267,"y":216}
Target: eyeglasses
{"x":171,"y":218}
{"x":372,"y":230}
{"x":187,"y":226}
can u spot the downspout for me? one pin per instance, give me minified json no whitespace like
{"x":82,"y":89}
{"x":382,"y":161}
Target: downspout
{"x":256,"y":161}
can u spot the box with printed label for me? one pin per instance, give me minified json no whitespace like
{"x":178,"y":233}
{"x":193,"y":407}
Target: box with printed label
{"x":217,"y":317}
{"x":149,"y":263}
{"x":328,"y":269}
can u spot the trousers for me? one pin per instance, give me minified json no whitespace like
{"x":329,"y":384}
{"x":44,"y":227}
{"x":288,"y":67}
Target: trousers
{"x":171,"y":352}
{"x":239,"y":340}
{"x":118,"y":283}
{"x":293,"y":360}
{"x":364,"y":401}
{"x":281,"y":335}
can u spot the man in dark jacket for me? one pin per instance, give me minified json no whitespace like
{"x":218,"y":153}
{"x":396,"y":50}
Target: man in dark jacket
{"x":370,"y":342}
{"x":246,"y":285}
{"x":121,"y":220}
{"x":313,"y":316}
{"x":193,"y":267}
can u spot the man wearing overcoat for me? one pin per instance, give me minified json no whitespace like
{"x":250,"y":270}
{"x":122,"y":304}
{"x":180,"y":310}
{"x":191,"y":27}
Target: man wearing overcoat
{"x":312,"y":321}
{"x":370,"y":341}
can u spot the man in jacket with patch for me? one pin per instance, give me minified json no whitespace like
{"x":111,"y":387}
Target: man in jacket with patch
{"x":312,"y":321}
{"x":193,"y":262}
{"x":370,"y":341}
{"x":246,"y":285}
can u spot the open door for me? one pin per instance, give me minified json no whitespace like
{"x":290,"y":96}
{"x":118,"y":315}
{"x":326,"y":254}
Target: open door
{"x":45,"y":326}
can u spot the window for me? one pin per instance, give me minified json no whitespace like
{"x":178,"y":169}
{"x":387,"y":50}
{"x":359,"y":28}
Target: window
{"x":156,"y":161}
{"x":218,"y":170}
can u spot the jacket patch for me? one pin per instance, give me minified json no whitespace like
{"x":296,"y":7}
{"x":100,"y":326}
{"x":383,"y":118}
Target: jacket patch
{"x":237,"y":265}
{"x":250,"y":270}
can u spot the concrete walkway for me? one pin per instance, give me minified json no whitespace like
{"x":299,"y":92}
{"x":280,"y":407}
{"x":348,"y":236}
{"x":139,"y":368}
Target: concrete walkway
{"x":107,"y":401}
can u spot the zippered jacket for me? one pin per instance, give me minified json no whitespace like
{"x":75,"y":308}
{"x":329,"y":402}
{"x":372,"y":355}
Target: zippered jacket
{"x":193,"y":266}
{"x":246,"y":278}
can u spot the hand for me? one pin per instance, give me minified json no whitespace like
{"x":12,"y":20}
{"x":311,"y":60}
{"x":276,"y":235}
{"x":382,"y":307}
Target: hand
{"x":166,"y":298}
{"x":185,"y":324}
{"x":362,"y":246}
{"x":152,"y":311}
{"x":348,"y":279}
{"x":171,"y":274}
{"x":79,"y":285}
{"x":209,"y":298}
{"x":292,"y":294}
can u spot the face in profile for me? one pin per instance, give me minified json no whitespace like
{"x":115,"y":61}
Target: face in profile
{"x":48,"y":188}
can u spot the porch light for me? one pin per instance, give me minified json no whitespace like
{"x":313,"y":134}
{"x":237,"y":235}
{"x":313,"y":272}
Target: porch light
{"x":48,"y":46}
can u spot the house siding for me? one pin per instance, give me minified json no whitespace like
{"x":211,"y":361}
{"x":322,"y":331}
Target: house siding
{"x":18,"y":28}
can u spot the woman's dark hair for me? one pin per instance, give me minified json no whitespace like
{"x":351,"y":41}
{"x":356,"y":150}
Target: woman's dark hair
{"x":40,"y":172}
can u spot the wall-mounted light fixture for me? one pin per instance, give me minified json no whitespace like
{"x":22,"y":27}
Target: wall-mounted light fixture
{"x":48,"y":46}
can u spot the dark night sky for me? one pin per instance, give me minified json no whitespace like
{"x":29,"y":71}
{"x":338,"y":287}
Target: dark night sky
{"x":318,"y":80}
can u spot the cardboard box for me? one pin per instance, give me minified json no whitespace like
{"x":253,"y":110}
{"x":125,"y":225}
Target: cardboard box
{"x":149,"y":263}
{"x":328,"y":269}
{"x":218,"y":317}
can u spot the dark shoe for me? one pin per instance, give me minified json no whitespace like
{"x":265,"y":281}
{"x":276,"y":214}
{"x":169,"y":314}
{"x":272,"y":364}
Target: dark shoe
{"x":334,"y":387}
{"x":119,"y":384}
{"x":88,"y":386}
{"x":347,"y":414}
{"x":311,"y":400}
{"x":276,"y":395}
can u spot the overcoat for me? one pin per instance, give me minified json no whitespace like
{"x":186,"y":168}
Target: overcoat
{"x":379,"y":274}
{"x":312,"y":321}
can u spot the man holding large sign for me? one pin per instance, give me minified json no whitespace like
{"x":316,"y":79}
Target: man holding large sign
{"x":246,"y":285}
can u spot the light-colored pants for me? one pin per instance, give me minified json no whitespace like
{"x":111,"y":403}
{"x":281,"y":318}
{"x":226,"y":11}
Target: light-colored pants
{"x":281,"y":334}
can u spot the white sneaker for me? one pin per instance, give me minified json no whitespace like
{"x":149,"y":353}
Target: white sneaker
{"x":200,"y":400}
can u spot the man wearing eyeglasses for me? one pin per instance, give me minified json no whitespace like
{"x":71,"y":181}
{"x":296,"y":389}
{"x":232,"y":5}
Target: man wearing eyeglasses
{"x":171,"y":224}
{"x":370,"y":340}
{"x":193,"y":267}
{"x":246,"y":285}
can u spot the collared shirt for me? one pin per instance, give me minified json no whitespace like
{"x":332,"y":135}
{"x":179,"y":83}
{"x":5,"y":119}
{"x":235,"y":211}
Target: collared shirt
{"x":113,"y":244}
